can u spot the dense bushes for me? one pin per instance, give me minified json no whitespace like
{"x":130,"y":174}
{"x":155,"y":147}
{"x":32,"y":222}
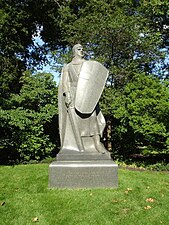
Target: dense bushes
{"x":139,"y":114}
{"x":27,"y":123}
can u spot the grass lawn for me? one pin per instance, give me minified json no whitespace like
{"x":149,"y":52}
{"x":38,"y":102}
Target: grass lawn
{"x":141,"y":199}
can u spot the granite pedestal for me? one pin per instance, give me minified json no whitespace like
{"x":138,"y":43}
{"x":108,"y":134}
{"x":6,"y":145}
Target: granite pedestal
{"x":83,"y":170}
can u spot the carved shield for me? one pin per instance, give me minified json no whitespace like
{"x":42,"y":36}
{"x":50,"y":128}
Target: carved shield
{"x":90,"y":86}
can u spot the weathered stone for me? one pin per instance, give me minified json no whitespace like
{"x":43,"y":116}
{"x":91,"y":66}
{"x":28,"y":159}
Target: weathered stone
{"x":83,"y":174}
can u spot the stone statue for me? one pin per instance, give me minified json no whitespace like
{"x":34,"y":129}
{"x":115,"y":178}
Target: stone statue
{"x":81,"y":122}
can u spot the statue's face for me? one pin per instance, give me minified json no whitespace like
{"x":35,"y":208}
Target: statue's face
{"x":79,"y":51}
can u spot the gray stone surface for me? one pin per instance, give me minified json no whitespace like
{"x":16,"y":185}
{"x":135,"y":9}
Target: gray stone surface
{"x":81,"y":122}
{"x":83,"y":174}
{"x":69,"y":155}
{"x":83,"y":161}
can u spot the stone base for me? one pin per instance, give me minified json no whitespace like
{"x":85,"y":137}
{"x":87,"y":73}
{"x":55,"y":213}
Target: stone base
{"x":83,"y":174}
{"x":70,"y":155}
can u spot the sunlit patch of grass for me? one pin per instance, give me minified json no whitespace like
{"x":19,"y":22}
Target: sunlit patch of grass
{"x":141,"y":198}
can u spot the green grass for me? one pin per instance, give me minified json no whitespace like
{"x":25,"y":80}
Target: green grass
{"x":24,"y":195}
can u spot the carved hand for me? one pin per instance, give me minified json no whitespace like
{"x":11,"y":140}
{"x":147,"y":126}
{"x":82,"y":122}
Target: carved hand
{"x":68,"y":100}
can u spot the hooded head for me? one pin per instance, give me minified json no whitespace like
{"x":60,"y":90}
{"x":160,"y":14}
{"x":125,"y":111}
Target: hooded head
{"x":78,"y":50}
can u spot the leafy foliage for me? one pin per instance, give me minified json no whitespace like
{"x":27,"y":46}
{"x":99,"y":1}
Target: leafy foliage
{"x":140,"y":114}
{"x":25,"y":136}
{"x":129,"y":37}
{"x":122,"y":35}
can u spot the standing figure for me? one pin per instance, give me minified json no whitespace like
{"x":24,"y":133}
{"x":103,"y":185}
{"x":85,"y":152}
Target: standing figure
{"x":81,"y":122}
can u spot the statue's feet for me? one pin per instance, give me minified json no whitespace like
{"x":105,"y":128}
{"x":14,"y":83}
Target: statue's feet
{"x":98,"y":145}
{"x":100,"y":148}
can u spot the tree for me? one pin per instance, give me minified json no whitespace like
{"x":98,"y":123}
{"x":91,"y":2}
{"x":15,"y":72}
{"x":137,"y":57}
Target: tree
{"x":26,"y":125}
{"x":126,"y":37}
{"x":28,"y":102}
{"x":129,"y":37}
{"x":122,"y":35}
{"x":140,"y":116}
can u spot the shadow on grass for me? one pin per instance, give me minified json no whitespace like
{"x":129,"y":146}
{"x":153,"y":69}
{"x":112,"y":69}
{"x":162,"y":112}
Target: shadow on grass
{"x":158,"y":162}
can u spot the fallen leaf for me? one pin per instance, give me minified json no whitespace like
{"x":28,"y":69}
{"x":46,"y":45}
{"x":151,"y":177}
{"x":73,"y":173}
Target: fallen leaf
{"x":129,"y":189}
{"x":35,"y":219}
{"x":149,"y":200}
{"x":2,"y":203}
{"x":114,"y":200}
{"x":147,"y":207}
{"x":125,"y":210}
